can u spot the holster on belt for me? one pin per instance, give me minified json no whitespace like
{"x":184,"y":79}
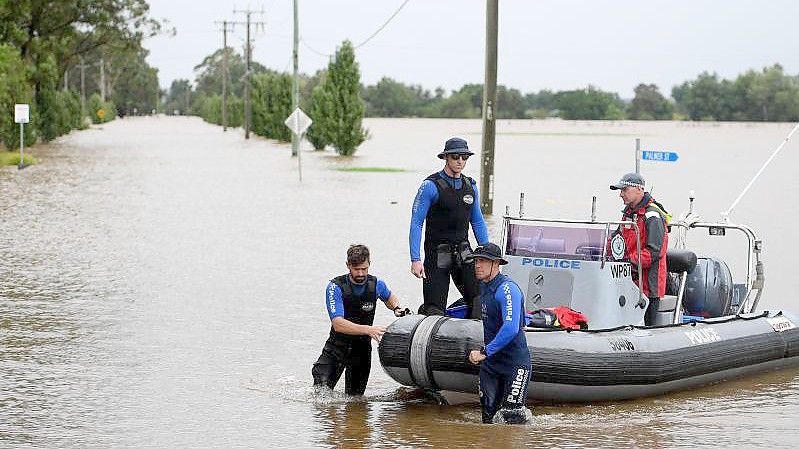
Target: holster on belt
{"x":444,"y":256}
{"x":447,"y":254}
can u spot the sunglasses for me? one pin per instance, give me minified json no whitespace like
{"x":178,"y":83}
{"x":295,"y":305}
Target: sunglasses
{"x":455,"y":157}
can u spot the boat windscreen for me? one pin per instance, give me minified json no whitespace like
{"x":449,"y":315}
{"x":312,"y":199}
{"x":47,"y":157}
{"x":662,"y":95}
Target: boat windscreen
{"x":535,"y":240}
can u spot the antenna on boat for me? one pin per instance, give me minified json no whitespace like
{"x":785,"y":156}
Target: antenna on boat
{"x":521,"y":204}
{"x":691,"y":198}
{"x":593,"y":208}
{"x":726,"y":215}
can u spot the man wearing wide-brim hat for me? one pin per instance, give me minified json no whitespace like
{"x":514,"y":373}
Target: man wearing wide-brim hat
{"x":505,"y":359}
{"x":447,"y":203}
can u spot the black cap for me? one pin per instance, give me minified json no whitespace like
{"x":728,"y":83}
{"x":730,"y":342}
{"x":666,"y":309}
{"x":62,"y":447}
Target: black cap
{"x":488,"y":251}
{"x":629,"y":180}
{"x":455,"y":145}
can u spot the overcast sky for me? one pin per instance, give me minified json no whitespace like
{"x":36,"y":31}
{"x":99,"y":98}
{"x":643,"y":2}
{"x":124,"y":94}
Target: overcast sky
{"x":555,"y":44}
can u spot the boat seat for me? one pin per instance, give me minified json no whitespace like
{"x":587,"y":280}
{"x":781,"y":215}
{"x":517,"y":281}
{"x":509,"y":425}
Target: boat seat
{"x":680,"y":260}
{"x":667,"y":303}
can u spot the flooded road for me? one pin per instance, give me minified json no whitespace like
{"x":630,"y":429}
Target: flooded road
{"x":162,"y":282}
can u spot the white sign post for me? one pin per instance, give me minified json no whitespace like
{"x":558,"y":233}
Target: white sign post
{"x":21,"y":116}
{"x":298,"y":122}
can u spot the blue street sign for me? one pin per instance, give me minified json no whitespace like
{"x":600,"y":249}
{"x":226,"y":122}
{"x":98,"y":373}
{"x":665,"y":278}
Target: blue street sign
{"x":660,"y":156}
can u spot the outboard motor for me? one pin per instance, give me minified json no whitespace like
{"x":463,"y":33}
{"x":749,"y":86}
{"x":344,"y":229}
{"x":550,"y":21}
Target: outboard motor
{"x":709,"y":289}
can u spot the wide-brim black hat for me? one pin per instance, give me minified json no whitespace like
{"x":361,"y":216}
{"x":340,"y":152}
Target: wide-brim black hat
{"x":488,"y":251}
{"x":455,"y":145}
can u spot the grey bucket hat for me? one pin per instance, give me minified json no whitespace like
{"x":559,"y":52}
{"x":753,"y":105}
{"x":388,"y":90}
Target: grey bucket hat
{"x":629,"y":180}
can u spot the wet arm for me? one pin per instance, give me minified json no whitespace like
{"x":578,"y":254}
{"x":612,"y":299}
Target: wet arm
{"x":479,"y":226}
{"x":511,"y":317}
{"x":425,"y":197}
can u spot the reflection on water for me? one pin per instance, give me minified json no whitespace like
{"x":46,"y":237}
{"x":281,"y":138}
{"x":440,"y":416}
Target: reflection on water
{"x":161,"y":284}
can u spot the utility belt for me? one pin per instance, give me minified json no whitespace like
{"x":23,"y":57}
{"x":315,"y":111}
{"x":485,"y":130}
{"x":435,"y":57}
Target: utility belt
{"x":449,"y":255}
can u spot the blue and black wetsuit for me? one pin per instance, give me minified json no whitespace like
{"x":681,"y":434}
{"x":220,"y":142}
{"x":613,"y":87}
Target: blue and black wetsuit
{"x":505,"y":372}
{"x":448,"y":205}
{"x":356,"y":303}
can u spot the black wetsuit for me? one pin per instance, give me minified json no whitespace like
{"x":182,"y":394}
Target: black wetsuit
{"x":350,"y":352}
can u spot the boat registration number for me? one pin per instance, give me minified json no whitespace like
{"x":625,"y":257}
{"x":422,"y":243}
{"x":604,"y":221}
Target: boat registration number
{"x":781,"y":323}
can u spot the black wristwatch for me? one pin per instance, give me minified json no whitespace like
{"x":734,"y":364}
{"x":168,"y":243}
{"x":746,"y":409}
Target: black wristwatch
{"x":483,"y":351}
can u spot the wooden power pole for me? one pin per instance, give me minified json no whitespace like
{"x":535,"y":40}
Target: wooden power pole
{"x":489,"y":109}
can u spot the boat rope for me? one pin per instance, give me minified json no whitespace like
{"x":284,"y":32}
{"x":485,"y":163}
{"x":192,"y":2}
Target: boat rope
{"x":726,"y":215}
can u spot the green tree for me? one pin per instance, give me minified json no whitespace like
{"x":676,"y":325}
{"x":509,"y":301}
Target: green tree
{"x":706,"y":98}
{"x":14,"y":88}
{"x":769,"y":95}
{"x":650,"y":104}
{"x":389,"y":98}
{"x":209,"y":72}
{"x":271,"y":105}
{"x":178,"y":97}
{"x":589,"y":104}
{"x":316,"y":133}
{"x":341,"y":108}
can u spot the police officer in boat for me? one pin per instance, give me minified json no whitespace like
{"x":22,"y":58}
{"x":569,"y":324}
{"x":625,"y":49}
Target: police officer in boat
{"x":447,"y":203}
{"x":651,"y":219}
{"x":350,"y":300}
{"x":505,"y":359}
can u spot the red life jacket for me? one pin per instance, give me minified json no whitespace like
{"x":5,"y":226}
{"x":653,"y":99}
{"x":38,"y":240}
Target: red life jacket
{"x":654,"y":284}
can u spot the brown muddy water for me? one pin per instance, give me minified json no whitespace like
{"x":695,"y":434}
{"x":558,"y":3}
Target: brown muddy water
{"x":161,"y":282}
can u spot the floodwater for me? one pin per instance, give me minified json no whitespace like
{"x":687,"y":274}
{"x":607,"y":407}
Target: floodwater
{"x":161,"y":282}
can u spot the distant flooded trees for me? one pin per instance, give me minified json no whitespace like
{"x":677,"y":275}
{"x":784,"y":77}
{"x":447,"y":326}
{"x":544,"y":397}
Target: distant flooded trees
{"x":767,"y":95}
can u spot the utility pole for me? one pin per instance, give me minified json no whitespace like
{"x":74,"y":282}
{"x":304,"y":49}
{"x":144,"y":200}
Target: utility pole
{"x":82,"y":85}
{"x":225,"y":24}
{"x":489,"y":105}
{"x":102,"y":79}
{"x":66,"y":79}
{"x":295,"y":85}
{"x":248,"y":74}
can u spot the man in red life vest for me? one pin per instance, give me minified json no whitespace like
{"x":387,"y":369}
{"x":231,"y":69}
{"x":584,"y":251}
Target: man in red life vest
{"x":651,"y":219}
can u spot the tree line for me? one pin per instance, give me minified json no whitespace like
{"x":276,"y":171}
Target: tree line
{"x":766,"y":95}
{"x":73,"y":61}
{"x":336,"y":100}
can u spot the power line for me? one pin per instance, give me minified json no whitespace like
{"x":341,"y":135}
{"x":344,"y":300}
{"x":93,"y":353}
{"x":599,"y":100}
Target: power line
{"x":365,"y":41}
{"x":383,"y":25}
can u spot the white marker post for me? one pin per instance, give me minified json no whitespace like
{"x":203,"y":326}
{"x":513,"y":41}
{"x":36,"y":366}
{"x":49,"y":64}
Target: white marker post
{"x":21,"y":116}
{"x":298,"y":122}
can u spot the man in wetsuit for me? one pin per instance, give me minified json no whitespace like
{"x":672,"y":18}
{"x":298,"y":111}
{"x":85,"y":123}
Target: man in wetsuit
{"x":350,"y":300}
{"x":448,"y":202}
{"x":505,"y":359}
{"x":651,"y":219}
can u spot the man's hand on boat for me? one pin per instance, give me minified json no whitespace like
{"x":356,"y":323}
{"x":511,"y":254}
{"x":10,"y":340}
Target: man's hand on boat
{"x":417,"y":268}
{"x":476,"y":356}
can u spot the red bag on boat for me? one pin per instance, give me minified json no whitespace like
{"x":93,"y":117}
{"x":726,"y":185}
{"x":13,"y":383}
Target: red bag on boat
{"x":570,"y":319}
{"x":559,"y":317}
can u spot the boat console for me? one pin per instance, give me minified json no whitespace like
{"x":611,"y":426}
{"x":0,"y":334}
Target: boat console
{"x":582,"y":264}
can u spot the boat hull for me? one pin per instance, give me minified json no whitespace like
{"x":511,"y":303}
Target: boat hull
{"x":590,"y":366}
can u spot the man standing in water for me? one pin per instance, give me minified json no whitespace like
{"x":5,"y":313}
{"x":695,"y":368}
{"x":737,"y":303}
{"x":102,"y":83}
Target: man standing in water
{"x":505,"y":360}
{"x":651,"y":219}
{"x":351,"y":300}
{"x":448,"y":202}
